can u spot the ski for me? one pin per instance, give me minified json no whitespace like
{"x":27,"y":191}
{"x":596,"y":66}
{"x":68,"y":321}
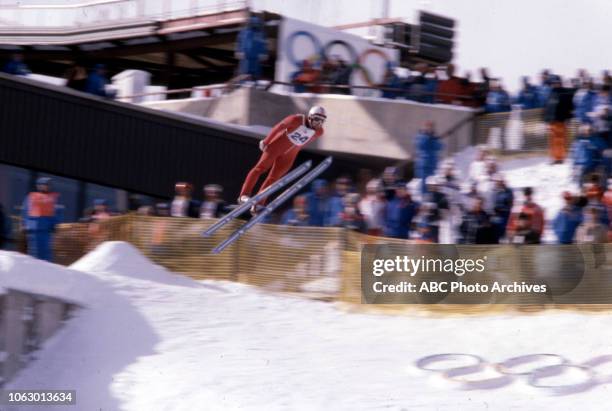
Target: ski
{"x":284,"y":196}
{"x":286,"y":179}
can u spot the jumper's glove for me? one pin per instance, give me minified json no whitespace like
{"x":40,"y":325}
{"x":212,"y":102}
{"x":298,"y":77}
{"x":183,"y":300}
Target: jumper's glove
{"x":262,"y":145}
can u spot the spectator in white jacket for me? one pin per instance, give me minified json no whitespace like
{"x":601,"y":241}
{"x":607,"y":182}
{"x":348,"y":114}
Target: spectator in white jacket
{"x":372,"y":207}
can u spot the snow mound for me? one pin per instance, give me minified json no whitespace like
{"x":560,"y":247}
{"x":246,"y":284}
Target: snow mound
{"x":121,"y":258}
{"x":27,"y":274}
{"x":326,"y":285}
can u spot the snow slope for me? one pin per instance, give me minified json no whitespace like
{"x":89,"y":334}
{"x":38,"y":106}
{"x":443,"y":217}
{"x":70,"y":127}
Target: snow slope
{"x":147,"y":342}
{"x":548,"y":181}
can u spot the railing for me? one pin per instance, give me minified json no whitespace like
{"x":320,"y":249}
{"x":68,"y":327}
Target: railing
{"x":517,"y":131}
{"x":326,"y":88}
{"x":316,"y":262}
{"x":84,"y":13}
{"x":506,"y":133}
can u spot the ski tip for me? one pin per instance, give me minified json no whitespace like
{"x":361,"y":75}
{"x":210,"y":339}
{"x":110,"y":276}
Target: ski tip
{"x":328,"y":159}
{"x":205,"y":234}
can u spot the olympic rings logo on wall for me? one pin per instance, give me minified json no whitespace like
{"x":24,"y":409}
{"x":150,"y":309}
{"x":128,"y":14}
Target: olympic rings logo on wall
{"x":358,"y":61}
{"x":526,"y":366}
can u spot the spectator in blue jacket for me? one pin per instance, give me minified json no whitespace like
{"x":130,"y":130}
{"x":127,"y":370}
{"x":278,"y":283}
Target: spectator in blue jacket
{"x":431,"y":86}
{"x":16,"y":66}
{"x":528,"y":96}
{"x":342,"y":77}
{"x":586,"y":152}
{"x":503,"y":200}
{"x":427,"y":150}
{"x":604,"y":98}
{"x":97,"y":81}
{"x":568,"y":220}
{"x":390,"y":179}
{"x":318,"y":204}
{"x":584,"y":102}
{"x":415,"y":86}
{"x":399,"y":213}
{"x":544,"y":88}
{"x":297,"y":215}
{"x":498,"y":100}
{"x":343,"y":186}
{"x":391,"y":81}
{"x":40,"y":214}
{"x":251,"y":49}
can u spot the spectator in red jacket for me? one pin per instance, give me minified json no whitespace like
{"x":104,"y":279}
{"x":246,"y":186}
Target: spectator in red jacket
{"x":450,"y":91}
{"x":532,"y":210}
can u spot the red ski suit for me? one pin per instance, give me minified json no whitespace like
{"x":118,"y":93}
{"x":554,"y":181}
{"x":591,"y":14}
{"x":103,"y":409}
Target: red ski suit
{"x":283,"y":143}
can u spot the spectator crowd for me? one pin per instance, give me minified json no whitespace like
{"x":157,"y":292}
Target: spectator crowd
{"x":578,"y":96}
{"x":440,"y":205}
{"x":441,"y":84}
{"x":437,"y":206}
{"x":93,"y":81}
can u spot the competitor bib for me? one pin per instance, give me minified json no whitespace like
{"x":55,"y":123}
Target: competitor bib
{"x":301,"y":135}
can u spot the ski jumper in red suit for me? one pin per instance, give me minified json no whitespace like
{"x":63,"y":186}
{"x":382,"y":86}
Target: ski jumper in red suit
{"x":283,"y":143}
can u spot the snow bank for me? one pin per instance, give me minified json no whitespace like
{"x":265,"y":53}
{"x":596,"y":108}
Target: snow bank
{"x":121,"y":258}
{"x":548,"y":181}
{"x":223,"y":346}
{"x":27,"y":274}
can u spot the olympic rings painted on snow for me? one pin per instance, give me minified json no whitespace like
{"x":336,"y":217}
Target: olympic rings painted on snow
{"x":458,"y":375}
{"x":509,"y":370}
{"x":424,"y":362}
{"x":322,"y":53}
{"x":593,"y":363}
{"x":508,"y":366}
{"x":539,"y":374}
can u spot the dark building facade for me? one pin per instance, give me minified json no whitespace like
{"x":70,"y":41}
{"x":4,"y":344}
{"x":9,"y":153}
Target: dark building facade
{"x":95,"y":145}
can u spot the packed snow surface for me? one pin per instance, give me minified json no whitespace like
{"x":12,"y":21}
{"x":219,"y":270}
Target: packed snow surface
{"x":147,"y":339}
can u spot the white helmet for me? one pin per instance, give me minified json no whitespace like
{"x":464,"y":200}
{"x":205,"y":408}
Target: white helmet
{"x":317,"y":112}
